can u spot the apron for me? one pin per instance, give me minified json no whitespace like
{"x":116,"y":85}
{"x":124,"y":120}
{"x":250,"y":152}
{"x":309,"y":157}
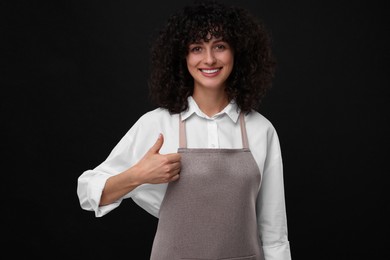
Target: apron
{"x":209,"y":213}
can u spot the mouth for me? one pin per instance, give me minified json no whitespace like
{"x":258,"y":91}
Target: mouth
{"x":210,"y":72}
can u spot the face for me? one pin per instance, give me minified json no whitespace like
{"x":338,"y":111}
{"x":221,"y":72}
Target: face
{"x":210,"y":63}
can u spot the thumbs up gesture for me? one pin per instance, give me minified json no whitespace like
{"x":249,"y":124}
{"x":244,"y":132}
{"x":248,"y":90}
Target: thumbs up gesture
{"x":158,"y":168}
{"x":152,"y":168}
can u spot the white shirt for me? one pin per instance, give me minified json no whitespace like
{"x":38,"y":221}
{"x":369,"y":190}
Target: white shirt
{"x":220,"y":131}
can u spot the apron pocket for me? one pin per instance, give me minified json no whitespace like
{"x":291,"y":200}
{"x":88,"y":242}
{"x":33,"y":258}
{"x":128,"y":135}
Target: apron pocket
{"x":251,"y":257}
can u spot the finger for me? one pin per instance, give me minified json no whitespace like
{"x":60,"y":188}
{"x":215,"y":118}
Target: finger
{"x":176,"y":166}
{"x":171,"y":169}
{"x":157,"y":145}
{"x":175,"y":178}
{"x":173,"y":157}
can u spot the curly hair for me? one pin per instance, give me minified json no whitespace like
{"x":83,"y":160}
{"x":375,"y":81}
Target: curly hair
{"x":170,"y":82}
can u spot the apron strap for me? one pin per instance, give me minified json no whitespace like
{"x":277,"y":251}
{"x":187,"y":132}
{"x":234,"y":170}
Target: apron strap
{"x":182,"y":133}
{"x":183,"y":137}
{"x":244,"y":135}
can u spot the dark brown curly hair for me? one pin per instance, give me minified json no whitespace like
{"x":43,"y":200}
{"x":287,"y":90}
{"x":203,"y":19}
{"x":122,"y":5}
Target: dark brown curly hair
{"x":170,"y":83}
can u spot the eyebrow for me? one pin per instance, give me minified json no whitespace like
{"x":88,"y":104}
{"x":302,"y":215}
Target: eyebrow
{"x":212,"y":41}
{"x":219,"y":40}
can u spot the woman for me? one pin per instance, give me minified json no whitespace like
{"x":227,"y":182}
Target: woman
{"x":214,"y":175}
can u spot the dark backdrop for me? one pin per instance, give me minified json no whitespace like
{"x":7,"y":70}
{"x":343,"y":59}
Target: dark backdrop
{"x":74,"y":81}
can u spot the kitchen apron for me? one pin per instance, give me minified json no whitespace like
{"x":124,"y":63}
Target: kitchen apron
{"x":210,"y":212}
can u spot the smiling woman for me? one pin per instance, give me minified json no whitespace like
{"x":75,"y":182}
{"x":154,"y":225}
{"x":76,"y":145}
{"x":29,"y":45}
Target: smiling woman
{"x":214,"y":176}
{"x":245,"y":35}
{"x":210,"y":64}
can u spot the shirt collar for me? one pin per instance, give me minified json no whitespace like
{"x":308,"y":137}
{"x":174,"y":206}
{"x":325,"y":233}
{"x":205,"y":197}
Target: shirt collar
{"x":231,"y":110}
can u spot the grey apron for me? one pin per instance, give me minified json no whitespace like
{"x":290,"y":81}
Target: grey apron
{"x":210,"y":212}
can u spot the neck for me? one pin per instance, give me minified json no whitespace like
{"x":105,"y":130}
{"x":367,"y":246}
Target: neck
{"x":211,"y":102}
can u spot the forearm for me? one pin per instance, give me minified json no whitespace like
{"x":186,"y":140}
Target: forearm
{"x":152,"y":168}
{"x":119,"y":185}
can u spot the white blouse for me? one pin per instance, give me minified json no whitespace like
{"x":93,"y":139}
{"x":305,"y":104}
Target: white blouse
{"x":220,"y":131}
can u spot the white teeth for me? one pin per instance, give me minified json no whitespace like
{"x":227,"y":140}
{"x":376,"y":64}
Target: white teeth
{"x":210,"y":71}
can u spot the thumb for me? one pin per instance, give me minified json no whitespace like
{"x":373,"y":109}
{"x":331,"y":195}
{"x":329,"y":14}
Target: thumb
{"x":157,"y":145}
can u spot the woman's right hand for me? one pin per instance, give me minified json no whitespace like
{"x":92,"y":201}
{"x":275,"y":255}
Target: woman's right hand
{"x":153,"y":168}
{"x":158,"y":168}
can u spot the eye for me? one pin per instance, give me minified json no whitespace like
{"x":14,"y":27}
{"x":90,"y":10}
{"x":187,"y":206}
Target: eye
{"x":195,"y":49}
{"x":220,"y":47}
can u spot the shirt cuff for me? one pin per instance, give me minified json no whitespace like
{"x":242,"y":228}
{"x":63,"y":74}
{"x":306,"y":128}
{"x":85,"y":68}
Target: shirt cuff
{"x":95,"y":193}
{"x":277,"y":252}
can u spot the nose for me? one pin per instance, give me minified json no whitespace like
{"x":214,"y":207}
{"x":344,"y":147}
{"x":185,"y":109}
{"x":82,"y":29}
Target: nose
{"x":209,"y":57}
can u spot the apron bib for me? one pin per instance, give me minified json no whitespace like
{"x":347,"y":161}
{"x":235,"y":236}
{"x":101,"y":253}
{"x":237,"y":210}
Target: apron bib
{"x":210,"y":212}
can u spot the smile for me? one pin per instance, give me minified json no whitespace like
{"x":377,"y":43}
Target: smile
{"x":210,"y":72}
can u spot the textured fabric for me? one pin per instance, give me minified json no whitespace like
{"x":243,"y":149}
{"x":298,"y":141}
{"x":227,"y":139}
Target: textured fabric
{"x":210,"y":212}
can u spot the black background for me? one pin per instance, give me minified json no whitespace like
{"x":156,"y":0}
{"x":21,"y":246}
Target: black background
{"x":74,"y":81}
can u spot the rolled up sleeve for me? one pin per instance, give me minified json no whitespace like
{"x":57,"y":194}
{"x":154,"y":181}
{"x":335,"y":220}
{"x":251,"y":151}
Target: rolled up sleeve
{"x":90,"y":188}
{"x":271,"y":210}
{"x":90,"y":183}
{"x":128,"y":151}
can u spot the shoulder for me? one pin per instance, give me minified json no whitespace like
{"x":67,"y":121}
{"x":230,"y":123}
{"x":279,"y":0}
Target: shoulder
{"x":262,"y":135}
{"x":154,"y":115}
{"x":259,"y":127}
{"x":156,"y":121}
{"x":155,"y":112}
{"x":157,"y":116}
{"x":256,"y":120}
{"x":146,"y":129}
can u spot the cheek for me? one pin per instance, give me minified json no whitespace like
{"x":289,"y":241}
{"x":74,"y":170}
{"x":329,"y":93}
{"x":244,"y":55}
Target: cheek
{"x":227,"y":58}
{"x":230,"y":63}
{"x":230,"y":59}
{"x":191,"y":61}
{"x":190,"y":66}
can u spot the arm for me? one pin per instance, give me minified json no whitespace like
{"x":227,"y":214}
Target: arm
{"x":271,"y":208}
{"x":129,"y":165}
{"x":153,"y":168}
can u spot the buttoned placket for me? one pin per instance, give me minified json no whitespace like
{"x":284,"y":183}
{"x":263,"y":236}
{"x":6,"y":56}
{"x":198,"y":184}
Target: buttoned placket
{"x":212,"y":133}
